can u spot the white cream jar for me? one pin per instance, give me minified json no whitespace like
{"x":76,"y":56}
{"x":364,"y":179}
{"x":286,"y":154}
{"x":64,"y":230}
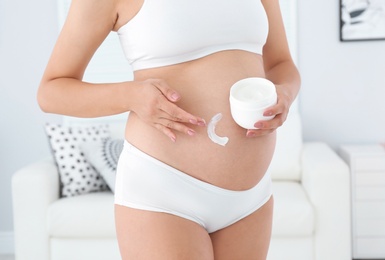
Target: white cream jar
{"x":249,"y":98}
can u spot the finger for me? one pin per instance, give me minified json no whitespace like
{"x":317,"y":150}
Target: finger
{"x":171,"y":94}
{"x":175,"y":113}
{"x":274,"y":123}
{"x":257,"y":133}
{"x":176,"y":126}
{"x":166,"y":131}
{"x":273,"y":110}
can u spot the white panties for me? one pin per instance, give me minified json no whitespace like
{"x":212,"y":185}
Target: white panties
{"x":143,"y":182}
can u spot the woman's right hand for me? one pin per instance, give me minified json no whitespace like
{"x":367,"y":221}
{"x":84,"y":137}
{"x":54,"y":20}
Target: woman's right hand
{"x":155,"y":105}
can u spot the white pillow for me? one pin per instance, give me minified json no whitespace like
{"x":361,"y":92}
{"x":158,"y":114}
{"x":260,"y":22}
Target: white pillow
{"x":77,"y":175}
{"x":104,"y":156}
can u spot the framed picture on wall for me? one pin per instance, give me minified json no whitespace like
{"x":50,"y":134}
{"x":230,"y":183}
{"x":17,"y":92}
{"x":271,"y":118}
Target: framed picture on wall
{"x":362,"y":20}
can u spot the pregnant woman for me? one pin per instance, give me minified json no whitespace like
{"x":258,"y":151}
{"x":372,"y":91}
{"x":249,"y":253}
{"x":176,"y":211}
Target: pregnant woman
{"x":178,"y":194}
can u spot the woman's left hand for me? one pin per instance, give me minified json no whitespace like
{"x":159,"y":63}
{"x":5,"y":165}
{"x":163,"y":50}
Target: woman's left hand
{"x":279,"y":111}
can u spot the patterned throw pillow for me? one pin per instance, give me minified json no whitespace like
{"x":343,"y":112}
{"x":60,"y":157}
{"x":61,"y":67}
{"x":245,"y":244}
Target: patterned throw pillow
{"x":104,"y":157}
{"x":77,"y":175}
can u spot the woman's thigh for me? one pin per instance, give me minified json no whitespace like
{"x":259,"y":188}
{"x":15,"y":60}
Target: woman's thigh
{"x":247,"y":239}
{"x":147,"y":235}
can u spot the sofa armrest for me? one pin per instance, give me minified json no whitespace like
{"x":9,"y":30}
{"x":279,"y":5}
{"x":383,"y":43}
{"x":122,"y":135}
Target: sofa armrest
{"x":326,"y":180}
{"x":34,"y":188}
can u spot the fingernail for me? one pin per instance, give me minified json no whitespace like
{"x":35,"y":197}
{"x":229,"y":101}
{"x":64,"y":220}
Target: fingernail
{"x":173,"y":138}
{"x":191,"y":132}
{"x":202,"y":122}
{"x":268,"y":113}
{"x":258,"y":125}
{"x":250,"y":134}
{"x":175,"y":96}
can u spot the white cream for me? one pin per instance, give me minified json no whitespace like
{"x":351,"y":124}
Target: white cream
{"x":249,"y":93}
{"x":211,"y":131}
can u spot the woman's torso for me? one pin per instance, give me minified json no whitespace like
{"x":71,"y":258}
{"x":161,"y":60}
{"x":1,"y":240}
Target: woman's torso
{"x":204,"y":86}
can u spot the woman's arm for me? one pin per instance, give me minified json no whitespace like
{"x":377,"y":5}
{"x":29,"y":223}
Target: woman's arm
{"x":279,"y":68}
{"x":62,"y":90}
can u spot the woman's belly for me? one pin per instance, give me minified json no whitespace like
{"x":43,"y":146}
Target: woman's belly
{"x":204,"y":86}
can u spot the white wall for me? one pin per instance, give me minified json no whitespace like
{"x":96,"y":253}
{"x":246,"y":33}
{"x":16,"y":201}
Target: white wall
{"x":27,"y":32}
{"x":342,"y":98}
{"x":343,"y":90}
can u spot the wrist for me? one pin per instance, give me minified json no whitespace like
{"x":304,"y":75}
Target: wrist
{"x":128,"y":95}
{"x":286,"y":92}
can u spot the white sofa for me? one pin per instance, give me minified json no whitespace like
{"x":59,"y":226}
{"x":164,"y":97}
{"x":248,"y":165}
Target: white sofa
{"x":311,"y":219}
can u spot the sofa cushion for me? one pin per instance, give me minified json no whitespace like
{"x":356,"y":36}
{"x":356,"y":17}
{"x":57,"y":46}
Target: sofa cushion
{"x":294,"y":215}
{"x":84,"y":216}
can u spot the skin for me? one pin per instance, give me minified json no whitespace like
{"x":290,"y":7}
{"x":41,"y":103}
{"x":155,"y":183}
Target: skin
{"x":167,"y":123}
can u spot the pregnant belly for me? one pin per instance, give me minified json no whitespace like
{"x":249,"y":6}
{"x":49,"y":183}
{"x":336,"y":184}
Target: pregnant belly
{"x":204,"y":86}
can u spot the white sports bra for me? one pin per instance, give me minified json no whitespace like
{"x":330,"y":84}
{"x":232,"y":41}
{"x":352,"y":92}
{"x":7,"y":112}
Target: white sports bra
{"x":166,"y":32}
